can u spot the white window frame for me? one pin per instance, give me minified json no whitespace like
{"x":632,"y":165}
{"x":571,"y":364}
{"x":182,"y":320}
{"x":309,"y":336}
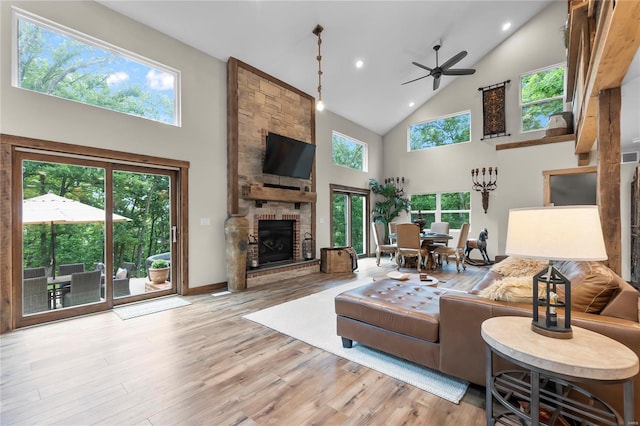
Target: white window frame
{"x":561,"y":97}
{"x":19,"y":14}
{"x":455,"y":114}
{"x":438,"y":211}
{"x":365,"y":151}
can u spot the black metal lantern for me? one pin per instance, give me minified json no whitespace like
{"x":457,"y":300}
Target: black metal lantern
{"x":252,"y":252}
{"x":308,"y":250}
{"x":550,"y":327}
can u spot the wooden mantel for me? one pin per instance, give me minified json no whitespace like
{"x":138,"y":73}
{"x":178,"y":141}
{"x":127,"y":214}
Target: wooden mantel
{"x":258,"y":192}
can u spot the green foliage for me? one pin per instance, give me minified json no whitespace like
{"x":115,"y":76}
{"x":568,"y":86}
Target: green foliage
{"x":142,"y":197}
{"x":346,"y":152}
{"x":391,"y":204}
{"x":449,"y":202}
{"x":444,"y":131}
{"x":356,"y":221}
{"x":541,"y":95}
{"x":159,"y":264}
{"x":58,"y":65}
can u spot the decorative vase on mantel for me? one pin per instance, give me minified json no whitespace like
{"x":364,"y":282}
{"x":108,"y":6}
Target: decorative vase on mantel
{"x":236,"y":231}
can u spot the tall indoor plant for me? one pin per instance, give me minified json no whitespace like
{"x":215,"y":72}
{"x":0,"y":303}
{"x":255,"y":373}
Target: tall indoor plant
{"x":389,"y":205}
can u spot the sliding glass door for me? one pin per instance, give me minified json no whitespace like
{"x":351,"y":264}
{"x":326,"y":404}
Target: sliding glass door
{"x":94,"y":234}
{"x":349,"y":218}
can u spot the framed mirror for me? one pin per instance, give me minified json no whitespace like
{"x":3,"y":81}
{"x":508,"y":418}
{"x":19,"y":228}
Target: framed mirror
{"x":569,"y":187}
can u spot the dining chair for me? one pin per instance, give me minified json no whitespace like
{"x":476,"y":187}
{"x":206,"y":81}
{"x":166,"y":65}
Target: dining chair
{"x":35,"y":297}
{"x":392,"y":231}
{"x":381,"y":248}
{"x":457,"y":251}
{"x":409,"y":244}
{"x":34,"y":272}
{"x":84,"y":288}
{"x":71,"y":268}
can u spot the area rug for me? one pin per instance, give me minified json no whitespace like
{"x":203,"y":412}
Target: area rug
{"x":145,"y":308}
{"x":312,"y":320}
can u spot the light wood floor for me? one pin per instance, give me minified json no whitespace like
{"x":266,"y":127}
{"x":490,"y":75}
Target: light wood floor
{"x":204,"y":364}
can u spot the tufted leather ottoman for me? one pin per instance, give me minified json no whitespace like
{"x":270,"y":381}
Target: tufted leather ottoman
{"x":398,"y":317}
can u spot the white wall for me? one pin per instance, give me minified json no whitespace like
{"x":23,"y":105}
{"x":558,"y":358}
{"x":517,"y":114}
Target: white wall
{"x":327,"y":173}
{"x":537,"y":44}
{"x":201,"y":140}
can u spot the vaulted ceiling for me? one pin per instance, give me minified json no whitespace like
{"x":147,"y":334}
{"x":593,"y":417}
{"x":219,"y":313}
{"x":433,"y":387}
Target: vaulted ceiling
{"x":276,"y":37}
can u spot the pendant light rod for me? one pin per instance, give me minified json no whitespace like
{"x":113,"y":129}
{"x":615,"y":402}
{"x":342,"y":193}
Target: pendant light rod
{"x":317,"y":31}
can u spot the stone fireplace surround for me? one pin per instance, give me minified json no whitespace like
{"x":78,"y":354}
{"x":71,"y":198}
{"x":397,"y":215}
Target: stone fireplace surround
{"x":258,"y":104}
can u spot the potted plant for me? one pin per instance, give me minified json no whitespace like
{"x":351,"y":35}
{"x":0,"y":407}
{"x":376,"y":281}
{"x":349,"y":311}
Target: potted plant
{"x":159,"y":271}
{"x":392,"y":203}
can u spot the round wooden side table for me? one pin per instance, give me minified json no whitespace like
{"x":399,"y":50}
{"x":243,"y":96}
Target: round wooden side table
{"x":560,"y":363}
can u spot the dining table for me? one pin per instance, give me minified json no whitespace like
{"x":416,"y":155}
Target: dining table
{"x":430,"y":238}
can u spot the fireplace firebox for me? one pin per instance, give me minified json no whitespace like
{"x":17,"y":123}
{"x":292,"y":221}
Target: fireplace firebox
{"x":275,"y":241}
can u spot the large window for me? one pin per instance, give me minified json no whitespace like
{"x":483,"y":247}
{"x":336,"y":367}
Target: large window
{"x":348,"y":152}
{"x":452,"y":207}
{"x":61,"y":62}
{"x":541,"y":94}
{"x":452,"y":129}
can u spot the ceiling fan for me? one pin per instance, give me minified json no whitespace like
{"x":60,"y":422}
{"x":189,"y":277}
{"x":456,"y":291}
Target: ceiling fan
{"x":444,"y":69}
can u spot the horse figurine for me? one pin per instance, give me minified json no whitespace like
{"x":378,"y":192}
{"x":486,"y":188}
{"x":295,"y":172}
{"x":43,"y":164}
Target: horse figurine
{"x":480,"y":244}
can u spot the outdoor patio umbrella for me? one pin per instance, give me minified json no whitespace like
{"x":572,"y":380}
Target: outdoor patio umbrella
{"x":53,"y":209}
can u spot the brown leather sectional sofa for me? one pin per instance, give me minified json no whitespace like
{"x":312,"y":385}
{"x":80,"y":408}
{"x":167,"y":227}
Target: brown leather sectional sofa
{"x":440,"y":329}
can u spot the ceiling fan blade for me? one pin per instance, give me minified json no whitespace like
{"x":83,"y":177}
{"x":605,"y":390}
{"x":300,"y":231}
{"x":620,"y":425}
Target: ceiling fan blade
{"x":459,"y":71}
{"x":415,"y":79}
{"x":436,"y":83}
{"x":454,"y":60}
{"x":421,"y":66}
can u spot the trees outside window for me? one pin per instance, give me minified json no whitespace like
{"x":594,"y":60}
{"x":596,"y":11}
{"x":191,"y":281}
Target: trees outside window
{"x":348,"y":152}
{"x":452,"y":207}
{"x":541,"y":94}
{"x":60,"y":62}
{"x":449,"y":130}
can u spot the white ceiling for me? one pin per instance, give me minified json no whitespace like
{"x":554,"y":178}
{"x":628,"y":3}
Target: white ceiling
{"x":276,"y":37}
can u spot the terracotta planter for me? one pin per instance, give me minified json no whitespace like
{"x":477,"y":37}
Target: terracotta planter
{"x":158,"y":276}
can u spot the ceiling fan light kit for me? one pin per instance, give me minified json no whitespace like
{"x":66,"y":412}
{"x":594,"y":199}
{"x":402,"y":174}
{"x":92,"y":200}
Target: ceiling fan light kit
{"x":444,"y":69}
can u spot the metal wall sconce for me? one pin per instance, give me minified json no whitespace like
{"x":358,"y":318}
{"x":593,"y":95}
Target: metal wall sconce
{"x":485,"y":186}
{"x":398,"y":182}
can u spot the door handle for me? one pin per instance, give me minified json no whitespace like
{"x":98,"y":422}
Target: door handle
{"x":174,"y":234}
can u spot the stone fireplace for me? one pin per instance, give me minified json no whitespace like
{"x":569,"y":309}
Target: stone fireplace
{"x":258,"y":104}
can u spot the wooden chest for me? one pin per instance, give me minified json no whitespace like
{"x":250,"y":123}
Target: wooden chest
{"x":338,"y":259}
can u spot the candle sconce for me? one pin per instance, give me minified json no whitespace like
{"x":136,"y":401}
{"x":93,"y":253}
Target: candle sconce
{"x":485,"y":186}
{"x":398,"y":182}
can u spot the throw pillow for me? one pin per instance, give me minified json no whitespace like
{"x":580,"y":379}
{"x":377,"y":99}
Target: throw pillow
{"x":121,"y":273}
{"x":518,"y":266}
{"x":511,"y":289}
{"x":594,"y":290}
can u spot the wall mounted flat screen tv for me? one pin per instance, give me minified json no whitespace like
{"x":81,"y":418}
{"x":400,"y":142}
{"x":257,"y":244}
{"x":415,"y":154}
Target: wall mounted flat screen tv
{"x":288,"y":157}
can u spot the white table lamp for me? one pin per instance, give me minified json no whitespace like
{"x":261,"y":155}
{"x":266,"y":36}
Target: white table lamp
{"x":555,"y":233}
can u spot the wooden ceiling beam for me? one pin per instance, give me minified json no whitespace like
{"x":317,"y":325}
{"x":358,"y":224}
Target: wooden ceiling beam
{"x":617,"y":41}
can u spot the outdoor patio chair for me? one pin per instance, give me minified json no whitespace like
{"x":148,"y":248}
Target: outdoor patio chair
{"x":35,"y":297}
{"x":129,"y":266}
{"x":34,"y":272}
{"x":71,"y":268}
{"x":121,"y":287}
{"x":84,"y":288}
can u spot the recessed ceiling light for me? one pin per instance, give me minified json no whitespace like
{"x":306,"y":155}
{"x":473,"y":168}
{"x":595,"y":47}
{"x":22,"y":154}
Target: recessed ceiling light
{"x":506,"y":26}
{"x":359,"y":63}
{"x":411,"y":104}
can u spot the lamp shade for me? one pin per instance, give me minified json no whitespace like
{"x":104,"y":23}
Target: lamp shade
{"x":556,"y":233}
